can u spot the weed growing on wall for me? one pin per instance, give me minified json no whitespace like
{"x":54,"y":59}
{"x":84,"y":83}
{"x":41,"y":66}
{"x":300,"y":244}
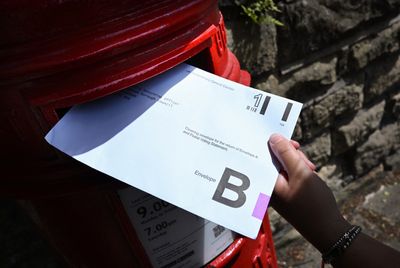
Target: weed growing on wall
{"x":261,"y":11}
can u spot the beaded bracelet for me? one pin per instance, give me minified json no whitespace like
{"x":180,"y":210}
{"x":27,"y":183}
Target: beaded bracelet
{"x":341,"y":245}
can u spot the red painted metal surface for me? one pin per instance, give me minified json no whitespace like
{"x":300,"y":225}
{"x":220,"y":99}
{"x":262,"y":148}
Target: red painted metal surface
{"x":56,"y":54}
{"x":244,"y":252}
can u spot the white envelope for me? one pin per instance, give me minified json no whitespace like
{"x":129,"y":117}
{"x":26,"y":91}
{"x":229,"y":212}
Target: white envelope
{"x":189,"y":137}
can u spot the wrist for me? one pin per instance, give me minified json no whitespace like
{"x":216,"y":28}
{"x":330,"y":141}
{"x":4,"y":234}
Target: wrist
{"x":340,"y":246}
{"x":323,"y":238}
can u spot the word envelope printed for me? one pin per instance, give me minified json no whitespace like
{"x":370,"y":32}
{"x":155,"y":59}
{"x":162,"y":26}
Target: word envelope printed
{"x":189,"y":137}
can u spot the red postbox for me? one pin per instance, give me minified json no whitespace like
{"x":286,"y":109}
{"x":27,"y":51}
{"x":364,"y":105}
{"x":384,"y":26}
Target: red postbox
{"x":56,"y":54}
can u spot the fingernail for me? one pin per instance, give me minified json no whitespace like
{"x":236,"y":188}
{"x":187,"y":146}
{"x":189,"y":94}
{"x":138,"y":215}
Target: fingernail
{"x":275,"y":138}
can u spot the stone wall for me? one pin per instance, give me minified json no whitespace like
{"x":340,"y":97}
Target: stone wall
{"x":341,"y":58}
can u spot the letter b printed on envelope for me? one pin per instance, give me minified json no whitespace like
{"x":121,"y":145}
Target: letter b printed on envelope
{"x":238,"y":189}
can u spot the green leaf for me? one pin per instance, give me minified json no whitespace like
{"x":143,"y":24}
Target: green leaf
{"x":261,"y":12}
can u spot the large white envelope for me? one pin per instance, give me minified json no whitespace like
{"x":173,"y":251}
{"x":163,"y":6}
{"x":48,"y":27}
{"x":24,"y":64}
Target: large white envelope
{"x":189,"y":137}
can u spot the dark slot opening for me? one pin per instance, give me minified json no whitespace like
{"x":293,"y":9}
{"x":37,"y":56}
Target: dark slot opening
{"x":62,"y":111}
{"x":201,"y":60}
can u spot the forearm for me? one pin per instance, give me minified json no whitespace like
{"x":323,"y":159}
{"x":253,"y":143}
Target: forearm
{"x":324,"y":234}
{"x":306,"y":202}
{"x":318,"y":219}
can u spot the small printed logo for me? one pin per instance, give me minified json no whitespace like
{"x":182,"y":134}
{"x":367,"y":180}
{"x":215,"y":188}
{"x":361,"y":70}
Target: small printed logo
{"x":257,"y":99}
{"x":265,"y":100}
{"x":256,"y":104}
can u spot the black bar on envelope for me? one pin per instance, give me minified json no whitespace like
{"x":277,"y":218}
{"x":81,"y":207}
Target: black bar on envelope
{"x":265,"y":104}
{"x":287,"y":111}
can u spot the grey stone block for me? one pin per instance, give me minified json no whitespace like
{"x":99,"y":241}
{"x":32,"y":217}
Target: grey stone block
{"x":319,"y":150}
{"x":322,"y":113}
{"x":363,"y":124}
{"x":393,"y":161}
{"x":319,"y":73}
{"x":254,"y":45}
{"x":380,"y":144}
{"x":368,"y":50}
{"x":382,"y":76}
{"x":396,"y":105}
{"x":314,"y":24}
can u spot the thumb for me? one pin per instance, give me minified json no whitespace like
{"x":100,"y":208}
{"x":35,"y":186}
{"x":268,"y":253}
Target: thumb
{"x":287,"y":155}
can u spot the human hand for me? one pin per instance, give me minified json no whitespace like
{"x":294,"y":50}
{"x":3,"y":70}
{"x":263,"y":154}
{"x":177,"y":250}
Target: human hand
{"x":302,"y":198}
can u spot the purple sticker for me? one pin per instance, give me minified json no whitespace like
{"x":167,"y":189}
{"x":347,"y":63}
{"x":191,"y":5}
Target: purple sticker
{"x":261,"y":206}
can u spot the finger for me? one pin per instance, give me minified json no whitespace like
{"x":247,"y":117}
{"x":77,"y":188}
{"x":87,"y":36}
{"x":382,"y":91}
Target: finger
{"x":295,"y":144}
{"x":281,"y":185}
{"x":310,"y":164}
{"x":287,"y":155}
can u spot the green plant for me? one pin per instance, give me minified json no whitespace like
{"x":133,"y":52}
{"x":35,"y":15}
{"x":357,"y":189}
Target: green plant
{"x":261,"y":11}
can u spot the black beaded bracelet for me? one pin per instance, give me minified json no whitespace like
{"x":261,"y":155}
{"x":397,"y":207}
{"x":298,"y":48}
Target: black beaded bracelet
{"x":341,"y":245}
